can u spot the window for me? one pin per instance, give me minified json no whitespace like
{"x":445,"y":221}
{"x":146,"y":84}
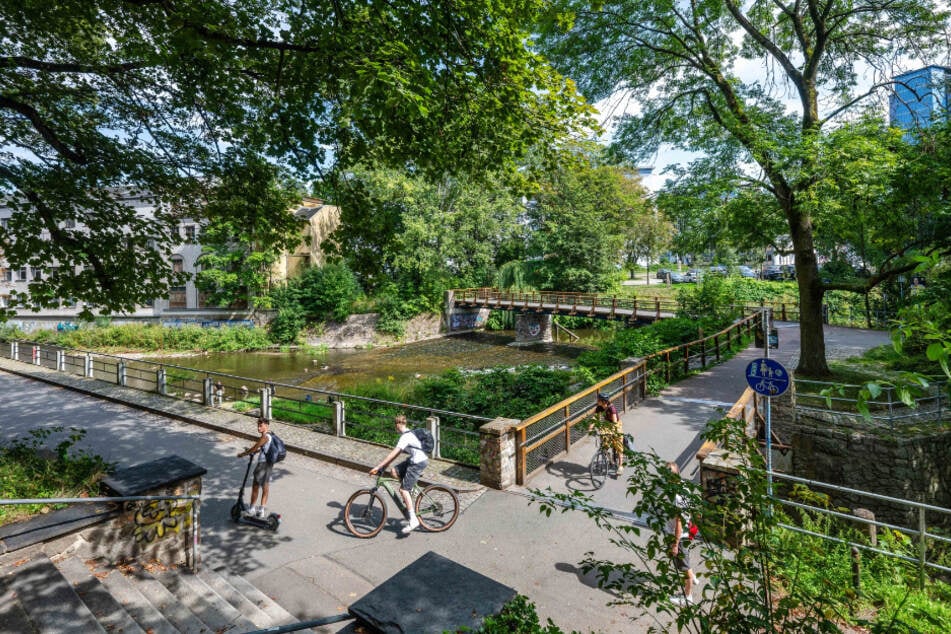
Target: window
{"x":176,"y":297}
{"x":37,"y":273}
{"x":21,"y":274}
{"x":4,"y":301}
{"x":178,"y":264}
{"x":191,"y":233}
{"x":5,"y":223}
{"x":69,"y":224}
{"x":6,"y":275}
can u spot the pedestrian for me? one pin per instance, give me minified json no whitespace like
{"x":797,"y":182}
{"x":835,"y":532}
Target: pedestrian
{"x":220,"y":393}
{"x":614,"y":434}
{"x":262,"y":469}
{"x":408,"y":471}
{"x":680,"y":544}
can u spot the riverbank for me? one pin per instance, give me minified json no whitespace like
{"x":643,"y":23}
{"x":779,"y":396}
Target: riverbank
{"x":359,"y":331}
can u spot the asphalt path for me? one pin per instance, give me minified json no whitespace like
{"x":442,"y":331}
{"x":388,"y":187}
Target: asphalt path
{"x":315,"y":568}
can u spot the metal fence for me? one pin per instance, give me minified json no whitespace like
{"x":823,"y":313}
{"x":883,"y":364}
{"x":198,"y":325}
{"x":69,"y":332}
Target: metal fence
{"x":922,"y":516}
{"x":541,"y":437}
{"x":193,"y":502}
{"x":885,"y":410}
{"x":324,"y":411}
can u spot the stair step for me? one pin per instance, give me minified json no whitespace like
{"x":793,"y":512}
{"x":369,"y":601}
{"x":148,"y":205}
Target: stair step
{"x":240,"y":602}
{"x":136,"y":604}
{"x":193,"y":593}
{"x":277,"y":614}
{"x":49,"y":600}
{"x":166,"y":602}
{"x":12,"y":616}
{"x":109,"y":612}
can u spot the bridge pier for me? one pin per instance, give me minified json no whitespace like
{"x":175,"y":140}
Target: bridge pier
{"x":533,"y":328}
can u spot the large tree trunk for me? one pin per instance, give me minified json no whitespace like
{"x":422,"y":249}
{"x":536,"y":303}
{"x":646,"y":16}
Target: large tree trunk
{"x":812,"y":344}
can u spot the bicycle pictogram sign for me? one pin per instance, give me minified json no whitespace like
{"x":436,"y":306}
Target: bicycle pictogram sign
{"x":767,"y":377}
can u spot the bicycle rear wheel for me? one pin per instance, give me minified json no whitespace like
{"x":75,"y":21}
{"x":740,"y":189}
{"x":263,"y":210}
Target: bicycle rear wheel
{"x":437,"y":508}
{"x":365,"y":513}
{"x":598,"y":468}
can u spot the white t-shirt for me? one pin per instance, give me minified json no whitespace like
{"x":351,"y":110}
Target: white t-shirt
{"x":263,"y":450}
{"x":409,"y":444}
{"x":684,"y":518}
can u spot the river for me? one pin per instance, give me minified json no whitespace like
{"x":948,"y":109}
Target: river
{"x":341,"y":370}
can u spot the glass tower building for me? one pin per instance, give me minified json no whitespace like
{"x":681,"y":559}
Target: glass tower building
{"x":920,"y":97}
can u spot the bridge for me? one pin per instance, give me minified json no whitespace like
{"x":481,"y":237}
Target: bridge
{"x":468,"y":308}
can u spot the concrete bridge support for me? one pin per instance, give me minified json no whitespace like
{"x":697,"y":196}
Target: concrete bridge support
{"x":533,"y":328}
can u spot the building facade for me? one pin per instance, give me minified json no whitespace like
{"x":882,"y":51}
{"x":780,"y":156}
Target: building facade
{"x":920,"y":97}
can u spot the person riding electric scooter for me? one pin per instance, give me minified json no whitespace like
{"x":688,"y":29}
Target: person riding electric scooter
{"x":249,"y":513}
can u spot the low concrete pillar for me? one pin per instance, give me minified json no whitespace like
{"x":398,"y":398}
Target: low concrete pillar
{"x":37,"y":355}
{"x":120,"y":373}
{"x":432,"y":422}
{"x":161,"y":382}
{"x":60,"y":361}
{"x":266,"y":403}
{"x":87,"y":366}
{"x":15,"y":350}
{"x":340,"y":418}
{"x":497,"y":457}
{"x":207,"y":388}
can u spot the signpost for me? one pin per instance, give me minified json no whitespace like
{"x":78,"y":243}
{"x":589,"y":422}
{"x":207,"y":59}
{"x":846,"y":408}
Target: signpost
{"x":768,"y":378}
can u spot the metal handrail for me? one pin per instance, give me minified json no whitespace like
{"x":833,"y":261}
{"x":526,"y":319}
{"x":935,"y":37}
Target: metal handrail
{"x":196,"y":503}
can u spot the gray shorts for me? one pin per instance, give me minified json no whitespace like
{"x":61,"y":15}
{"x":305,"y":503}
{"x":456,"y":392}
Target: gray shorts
{"x":409,"y":473}
{"x":682,"y":558}
{"x":262,"y":473}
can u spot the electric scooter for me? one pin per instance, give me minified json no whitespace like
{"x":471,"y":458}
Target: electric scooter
{"x":238,"y":511}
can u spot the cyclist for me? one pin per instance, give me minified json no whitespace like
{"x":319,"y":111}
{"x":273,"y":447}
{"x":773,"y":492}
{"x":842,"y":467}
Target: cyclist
{"x":614,"y":435}
{"x":408,"y":471}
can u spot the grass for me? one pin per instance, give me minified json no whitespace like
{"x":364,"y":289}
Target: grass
{"x":29,"y":470}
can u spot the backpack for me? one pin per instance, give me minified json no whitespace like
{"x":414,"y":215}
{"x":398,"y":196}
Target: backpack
{"x":276,"y":451}
{"x":426,"y":440}
{"x":692,"y":531}
{"x":629,"y":442}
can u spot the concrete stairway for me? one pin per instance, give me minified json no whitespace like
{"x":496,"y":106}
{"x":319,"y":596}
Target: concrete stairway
{"x":69,"y":593}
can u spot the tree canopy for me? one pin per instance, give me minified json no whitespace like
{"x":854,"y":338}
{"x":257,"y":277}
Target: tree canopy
{"x":683,"y":65}
{"x":108,"y":96}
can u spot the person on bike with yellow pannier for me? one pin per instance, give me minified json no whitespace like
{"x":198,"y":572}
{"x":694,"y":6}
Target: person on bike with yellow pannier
{"x":408,"y":471}
{"x":612,"y":429}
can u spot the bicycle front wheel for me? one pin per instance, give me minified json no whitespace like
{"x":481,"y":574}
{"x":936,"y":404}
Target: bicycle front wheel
{"x":365,"y":513}
{"x":437,"y":508}
{"x":598,"y":469}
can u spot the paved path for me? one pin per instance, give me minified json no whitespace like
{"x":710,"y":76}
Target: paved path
{"x":312,"y":565}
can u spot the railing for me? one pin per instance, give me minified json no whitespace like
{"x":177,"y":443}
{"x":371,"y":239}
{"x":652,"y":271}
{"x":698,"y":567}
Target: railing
{"x":917,"y":509}
{"x":886,"y":409}
{"x":585,"y":304}
{"x":194,"y":508}
{"x":554,"y":430}
{"x":324,"y":411}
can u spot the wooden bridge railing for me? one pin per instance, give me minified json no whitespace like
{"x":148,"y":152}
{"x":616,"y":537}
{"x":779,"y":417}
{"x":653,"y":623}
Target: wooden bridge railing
{"x":541,"y":437}
{"x":610,"y":306}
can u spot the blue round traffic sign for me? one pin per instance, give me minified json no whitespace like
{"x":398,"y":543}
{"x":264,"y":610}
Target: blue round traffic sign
{"x":767,"y":377}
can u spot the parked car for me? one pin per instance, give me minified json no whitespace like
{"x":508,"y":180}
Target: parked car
{"x":746,"y":271}
{"x":789,"y":271}
{"x":678,"y":278}
{"x":718,"y":269}
{"x":693,"y":275}
{"x":661,"y":274}
{"x":773,"y":272}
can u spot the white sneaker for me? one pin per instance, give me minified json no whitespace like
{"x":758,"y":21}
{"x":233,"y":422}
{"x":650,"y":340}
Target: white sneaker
{"x":681,"y":601}
{"x":262,"y":513}
{"x":411,"y":526}
{"x":251,"y":511}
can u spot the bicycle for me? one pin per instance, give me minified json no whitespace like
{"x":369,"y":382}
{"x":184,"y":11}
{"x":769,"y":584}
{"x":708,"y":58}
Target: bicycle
{"x":603,"y":460}
{"x":437,"y":507}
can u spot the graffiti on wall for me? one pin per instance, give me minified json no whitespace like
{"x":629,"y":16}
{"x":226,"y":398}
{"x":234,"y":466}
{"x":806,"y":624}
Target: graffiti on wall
{"x":158,"y":518}
{"x":466,"y":320}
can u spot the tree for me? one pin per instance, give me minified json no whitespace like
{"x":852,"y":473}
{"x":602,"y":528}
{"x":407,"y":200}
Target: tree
{"x":681,"y":63}
{"x":104,"y":96}
{"x":578,"y":219}
{"x":250,"y":223}
{"x":647,"y":236}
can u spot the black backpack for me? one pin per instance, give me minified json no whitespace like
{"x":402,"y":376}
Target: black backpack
{"x":276,"y":451}
{"x":425,"y":438}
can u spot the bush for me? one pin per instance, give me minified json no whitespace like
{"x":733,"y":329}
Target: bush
{"x":327,"y":292}
{"x":286,"y":326}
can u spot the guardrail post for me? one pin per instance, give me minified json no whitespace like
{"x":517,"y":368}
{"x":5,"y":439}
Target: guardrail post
{"x":60,"y":361}
{"x":499,"y":466}
{"x":36,"y":355}
{"x":922,"y":547}
{"x":161,"y":382}
{"x":656,"y":309}
{"x":716,"y":345}
{"x":87,"y":366}
{"x":340,"y":418}
{"x":120,"y":373}
{"x":265,"y":393}
{"x":433,"y":422}
{"x":15,"y":350}
{"x":207,"y":397}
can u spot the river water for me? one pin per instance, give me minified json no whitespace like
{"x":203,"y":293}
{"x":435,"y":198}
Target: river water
{"x":342,"y":370}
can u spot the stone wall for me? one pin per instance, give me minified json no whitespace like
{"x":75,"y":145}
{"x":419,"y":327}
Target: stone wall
{"x":497,"y":459}
{"x":908,"y":461}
